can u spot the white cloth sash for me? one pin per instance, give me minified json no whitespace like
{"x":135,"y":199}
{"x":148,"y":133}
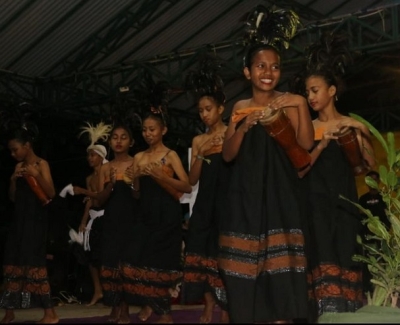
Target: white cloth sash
{"x":93,"y":214}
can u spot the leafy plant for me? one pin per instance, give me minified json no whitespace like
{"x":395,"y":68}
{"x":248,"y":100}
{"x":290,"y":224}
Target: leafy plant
{"x":382,"y":248}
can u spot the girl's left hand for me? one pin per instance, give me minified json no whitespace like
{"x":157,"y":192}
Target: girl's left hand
{"x":154,"y":170}
{"x":347,"y":122}
{"x":287,"y":100}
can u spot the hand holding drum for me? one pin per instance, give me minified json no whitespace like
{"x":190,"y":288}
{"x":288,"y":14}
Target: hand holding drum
{"x":278,"y":126}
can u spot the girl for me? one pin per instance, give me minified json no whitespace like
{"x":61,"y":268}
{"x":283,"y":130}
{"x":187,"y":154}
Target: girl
{"x":336,"y":278}
{"x":25,"y":273}
{"x":201,"y":279}
{"x":262,"y":242}
{"x":159,"y":177}
{"x":119,"y":220}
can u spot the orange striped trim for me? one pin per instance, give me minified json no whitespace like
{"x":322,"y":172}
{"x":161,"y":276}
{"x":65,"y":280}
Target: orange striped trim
{"x":269,"y":265}
{"x":257,"y":245}
{"x":241,"y":113}
{"x":118,"y":177}
{"x":138,"y":274}
{"x":26,"y":278}
{"x":335,"y":287}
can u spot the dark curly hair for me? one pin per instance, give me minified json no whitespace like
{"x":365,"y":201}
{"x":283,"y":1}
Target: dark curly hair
{"x":205,"y":81}
{"x":327,"y":58}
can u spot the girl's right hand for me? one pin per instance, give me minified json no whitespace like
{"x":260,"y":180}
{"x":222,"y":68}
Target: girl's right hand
{"x":252,"y":119}
{"x":19,"y":172}
{"x":327,"y":136}
{"x":82,"y":227}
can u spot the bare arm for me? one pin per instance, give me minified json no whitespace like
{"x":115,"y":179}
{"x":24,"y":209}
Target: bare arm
{"x":42,"y":174}
{"x":198,"y":149}
{"x":104,"y":191}
{"x":195,"y":164}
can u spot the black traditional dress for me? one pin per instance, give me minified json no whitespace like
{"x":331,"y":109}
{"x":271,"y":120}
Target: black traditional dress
{"x":119,"y":222}
{"x":26,"y":283}
{"x":201,"y":272}
{"x":262,"y":241}
{"x":334,"y":224}
{"x":153,"y":259}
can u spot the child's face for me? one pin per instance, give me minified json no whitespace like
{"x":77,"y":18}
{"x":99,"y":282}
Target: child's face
{"x":152,"y":131}
{"x":264,"y":71}
{"x":319,"y":93}
{"x":94,"y":159}
{"x":209,"y":112}
{"x":18,"y":149}
{"x":120,"y":140}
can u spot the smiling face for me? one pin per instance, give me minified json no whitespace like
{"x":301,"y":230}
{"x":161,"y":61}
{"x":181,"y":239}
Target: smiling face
{"x":153,"y":130}
{"x":319,"y":93}
{"x":264,"y":71}
{"x":209,"y":111}
{"x":120,"y":140}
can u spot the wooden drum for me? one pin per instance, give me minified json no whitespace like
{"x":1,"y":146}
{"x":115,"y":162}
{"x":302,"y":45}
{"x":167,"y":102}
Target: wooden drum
{"x":278,"y":126}
{"x":349,"y":144}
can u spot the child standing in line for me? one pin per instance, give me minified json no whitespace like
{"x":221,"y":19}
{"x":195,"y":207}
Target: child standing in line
{"x":91,"y":223}
{"x":119,"y":220}
{"x":24,"y":266}
{"x":262,"y":241}
{"x":160,"y":179}
{"x":201,"y":280}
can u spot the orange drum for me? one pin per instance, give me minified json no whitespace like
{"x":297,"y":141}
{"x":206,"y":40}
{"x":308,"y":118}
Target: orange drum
{"x":278,"y":126}
{"x":35,"y":187}
{"x":349,"y":144}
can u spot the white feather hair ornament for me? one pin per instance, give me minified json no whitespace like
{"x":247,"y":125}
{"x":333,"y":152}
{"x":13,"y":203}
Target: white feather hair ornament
{"x":99,"y":132}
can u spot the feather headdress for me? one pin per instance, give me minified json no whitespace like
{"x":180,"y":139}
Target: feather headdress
{"x":153,"y":96}
{"x":205,"y":80}
{"x":329,"y":57}
{"x":270,"y":27}
{"x":96,"y":133}
{"x":101,"y":131}
{"x":330,"y":52}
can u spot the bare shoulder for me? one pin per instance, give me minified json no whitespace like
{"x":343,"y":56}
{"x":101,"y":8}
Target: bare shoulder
{"x":138,"y":155}
{"x":243,"y":103}
{"x":105,"y":167}
{"x":199,"y":139}
{"x":173,"y":154}
{"x":43,"y":164}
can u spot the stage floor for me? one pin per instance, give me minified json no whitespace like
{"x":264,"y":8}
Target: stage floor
{"x":73,"y":311}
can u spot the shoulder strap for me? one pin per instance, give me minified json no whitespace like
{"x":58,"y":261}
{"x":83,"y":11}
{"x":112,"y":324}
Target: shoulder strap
{"x":163,"y":158}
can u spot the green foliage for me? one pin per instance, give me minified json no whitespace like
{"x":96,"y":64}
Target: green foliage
{"x":382,"y":255}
